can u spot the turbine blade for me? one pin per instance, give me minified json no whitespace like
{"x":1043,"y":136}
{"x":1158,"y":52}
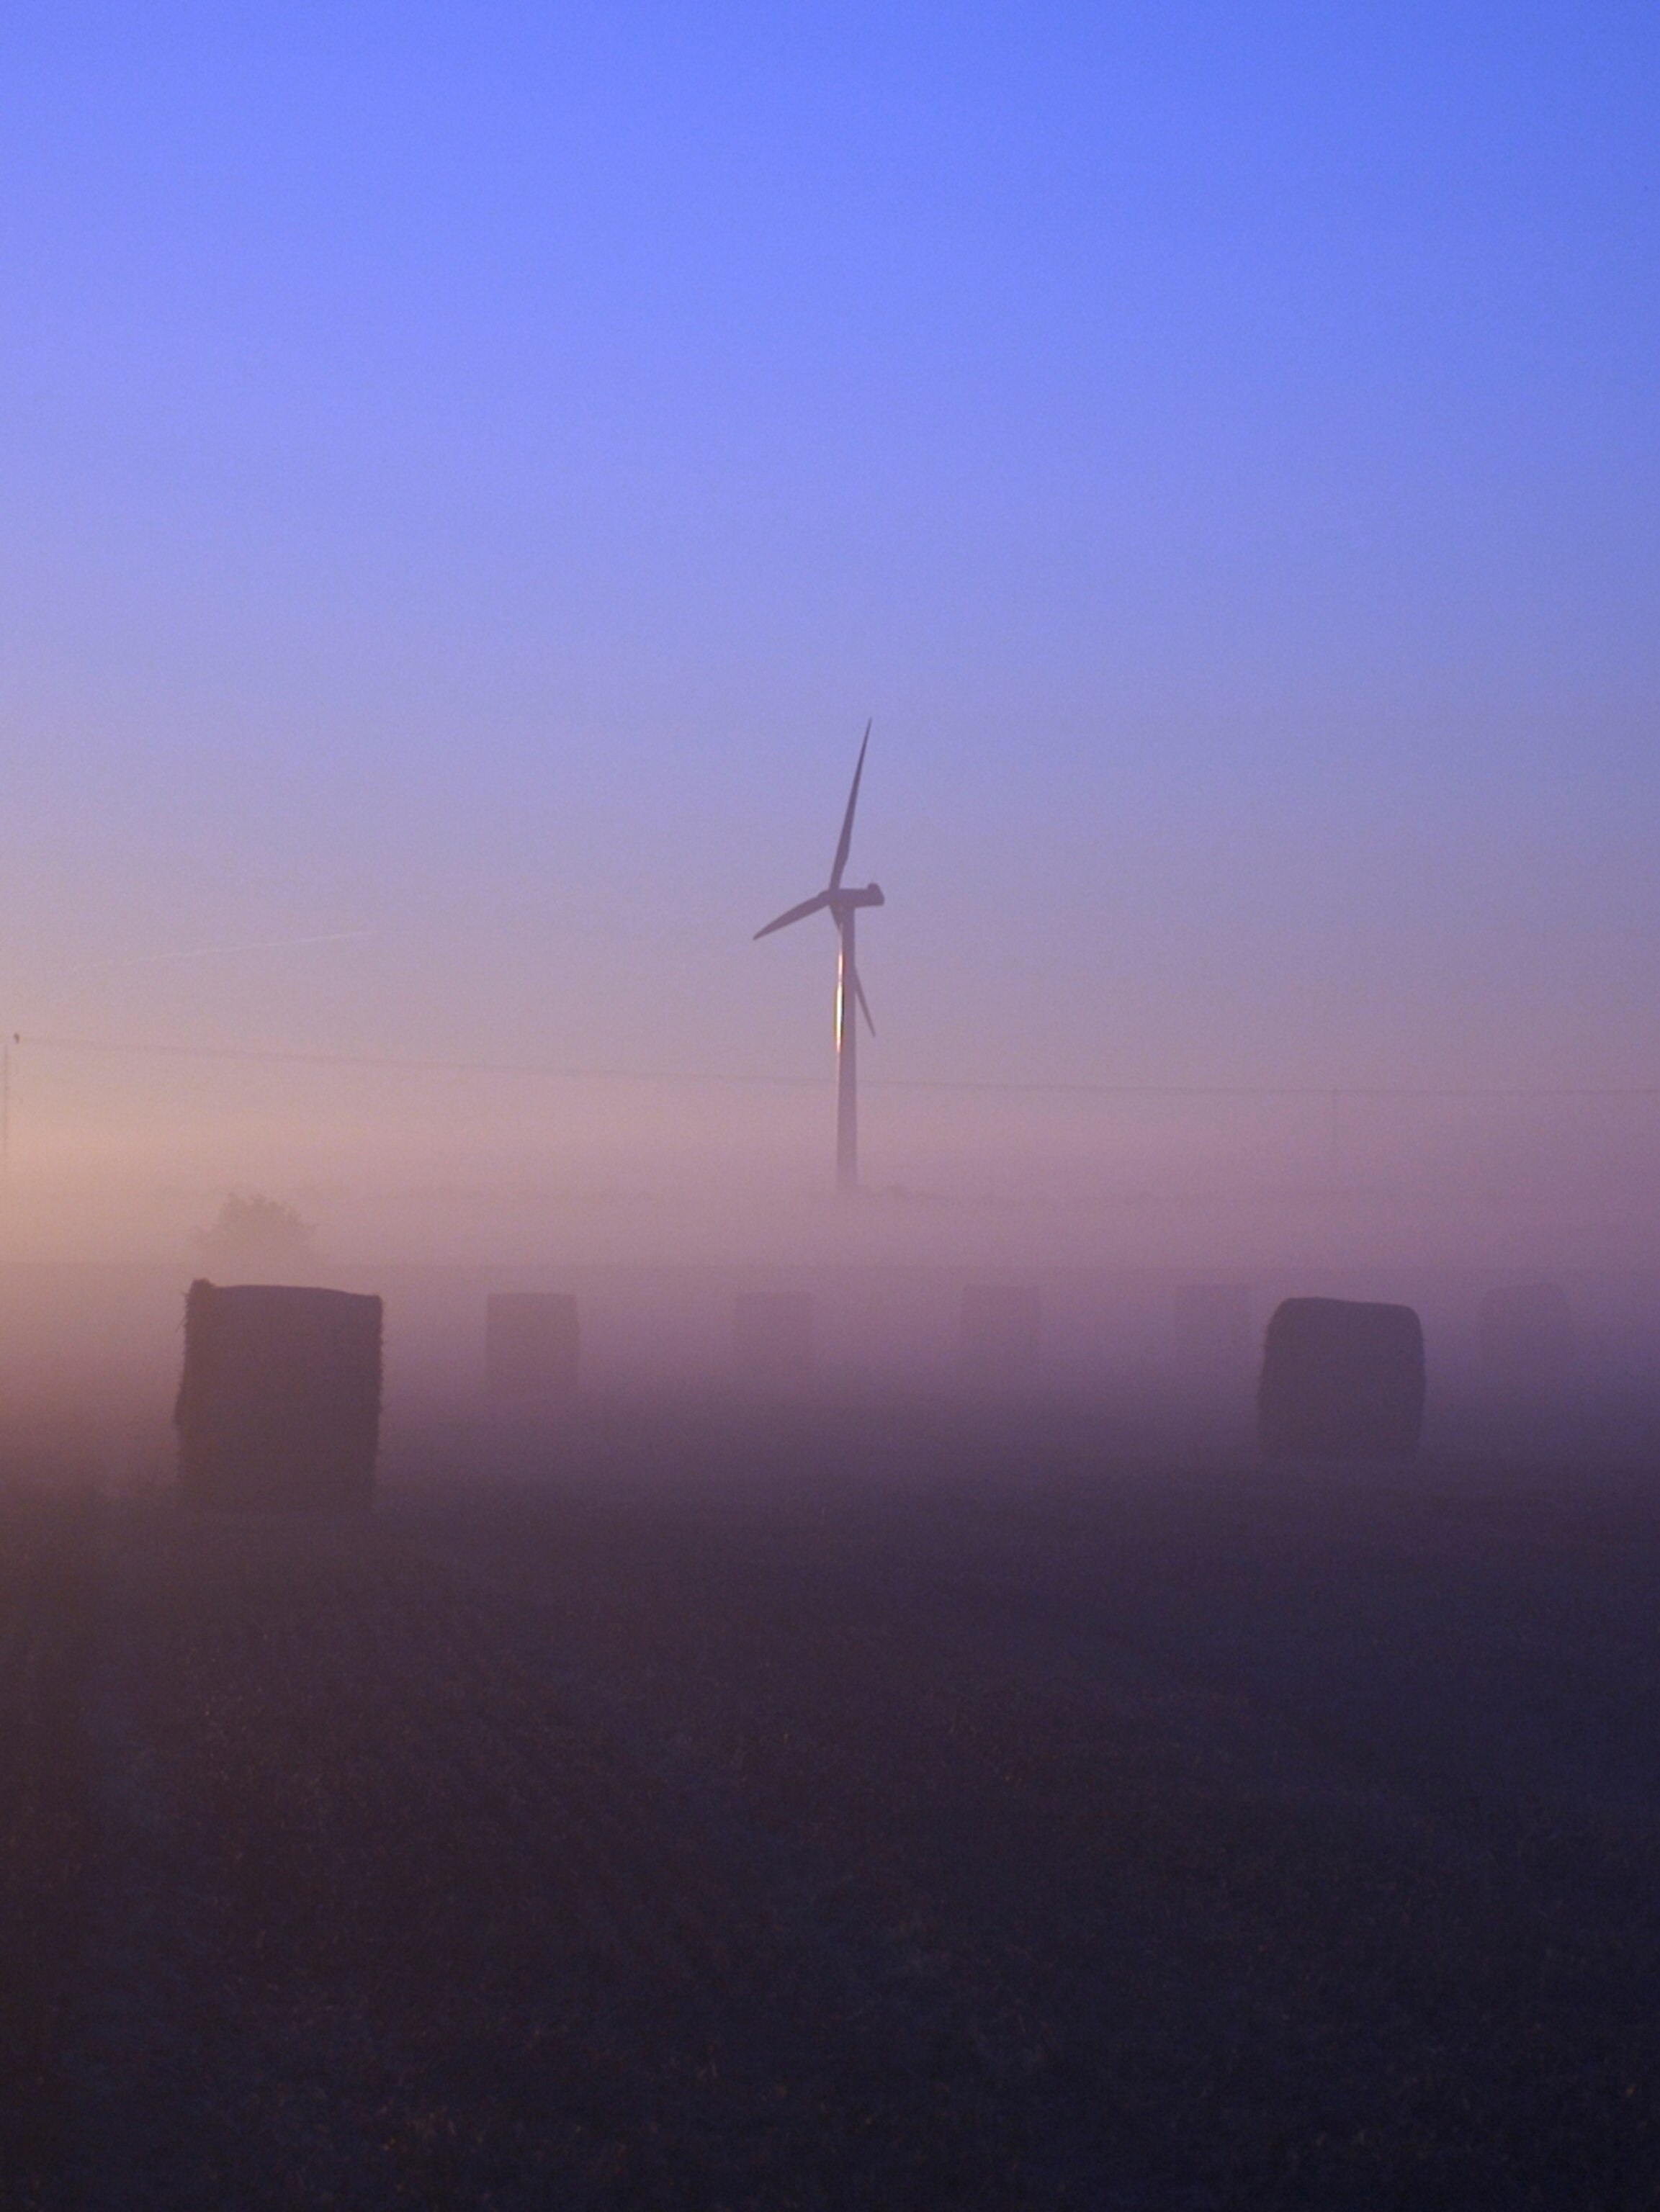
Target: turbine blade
{"x":858,"y":993}
{"x":796,"y":914}
{"x":845,"y":841}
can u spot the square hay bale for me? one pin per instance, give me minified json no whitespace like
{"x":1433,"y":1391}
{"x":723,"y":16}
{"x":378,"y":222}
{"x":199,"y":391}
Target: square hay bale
{"x":532,"y":1344}
{"x":1341,"y":1379}
{"x":1001,"y":1332}
{"x":772,"y":1336}
{"x":279,"y":1403}
{"x":1525,"y":1332}
{"x":1212,"y":1331}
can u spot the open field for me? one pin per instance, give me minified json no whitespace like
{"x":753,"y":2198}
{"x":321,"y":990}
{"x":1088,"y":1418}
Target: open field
{"x":749,"y":1807}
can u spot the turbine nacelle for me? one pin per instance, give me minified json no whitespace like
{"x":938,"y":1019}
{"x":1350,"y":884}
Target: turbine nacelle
{"x":835,"y":903}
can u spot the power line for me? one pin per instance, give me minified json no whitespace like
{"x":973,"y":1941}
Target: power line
{"x":217,"y":951}
{"x":530,"y":1068}
{"x":551,"y":1071}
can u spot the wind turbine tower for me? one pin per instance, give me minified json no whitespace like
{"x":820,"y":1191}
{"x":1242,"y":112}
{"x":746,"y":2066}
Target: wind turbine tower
{"x":843,"y":906}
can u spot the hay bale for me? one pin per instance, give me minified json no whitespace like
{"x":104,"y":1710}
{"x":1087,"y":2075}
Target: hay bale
{"x":279,"y":1403}
{"x":1525,"y":1332}
{"x":532,"y":1345}
{"x":1212,"y":1331}
{"x":1001,"y":1330}
{"x":772,"y":1336}
{"x":1341,"y":1380}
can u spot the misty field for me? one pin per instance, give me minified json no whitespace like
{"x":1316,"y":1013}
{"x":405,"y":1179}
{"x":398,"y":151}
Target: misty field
{"x":747,"y":1808}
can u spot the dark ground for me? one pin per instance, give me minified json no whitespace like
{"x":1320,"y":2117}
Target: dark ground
{"x":836,"y":1810}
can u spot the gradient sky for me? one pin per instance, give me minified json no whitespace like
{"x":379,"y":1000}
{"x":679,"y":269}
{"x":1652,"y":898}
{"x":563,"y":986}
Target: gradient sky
{"x":469,"y":473}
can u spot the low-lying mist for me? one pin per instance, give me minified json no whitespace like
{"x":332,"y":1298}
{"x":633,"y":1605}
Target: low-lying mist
{"x":89,"y":1355}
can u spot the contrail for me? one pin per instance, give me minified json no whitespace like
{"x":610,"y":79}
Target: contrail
{"x":213,"y":951}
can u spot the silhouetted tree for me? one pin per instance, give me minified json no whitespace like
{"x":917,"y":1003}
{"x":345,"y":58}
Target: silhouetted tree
{"x":258,"y":1236}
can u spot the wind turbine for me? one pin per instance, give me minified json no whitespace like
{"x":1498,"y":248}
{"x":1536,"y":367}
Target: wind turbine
{"x":843,"y":906}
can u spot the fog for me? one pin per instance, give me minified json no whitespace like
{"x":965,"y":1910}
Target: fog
{"x":657,"y":1198}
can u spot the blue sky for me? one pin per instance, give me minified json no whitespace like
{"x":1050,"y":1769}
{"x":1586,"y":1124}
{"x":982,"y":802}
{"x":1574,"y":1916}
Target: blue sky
{"x":470,"y":473}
